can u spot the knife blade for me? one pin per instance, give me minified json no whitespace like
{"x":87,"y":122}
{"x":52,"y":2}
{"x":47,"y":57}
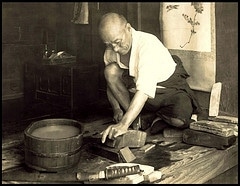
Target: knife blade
{"x":108,"y":173}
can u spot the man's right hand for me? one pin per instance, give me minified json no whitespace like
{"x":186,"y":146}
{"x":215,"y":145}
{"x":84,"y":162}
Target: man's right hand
{"x":117,"y":115}
{"x":113,"y":131}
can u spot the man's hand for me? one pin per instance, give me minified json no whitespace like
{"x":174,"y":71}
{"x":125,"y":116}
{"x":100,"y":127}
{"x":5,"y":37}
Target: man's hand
{"x":113,"y":131}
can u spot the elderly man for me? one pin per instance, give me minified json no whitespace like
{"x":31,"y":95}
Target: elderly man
{"x":141,"y":73}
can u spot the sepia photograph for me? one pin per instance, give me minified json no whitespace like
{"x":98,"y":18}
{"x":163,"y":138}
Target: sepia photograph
{"x":119,"y":92}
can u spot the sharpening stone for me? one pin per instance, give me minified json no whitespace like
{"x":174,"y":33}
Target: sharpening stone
{"x":106,"y":152}
{"x":215,"y":127}
{"x":227,"y":119}
{"x":200,"y":138}
{"x":172,"y":132}
{"x":120,"y":155}
{"x":131,"y":139}
{"x":127,"y":155}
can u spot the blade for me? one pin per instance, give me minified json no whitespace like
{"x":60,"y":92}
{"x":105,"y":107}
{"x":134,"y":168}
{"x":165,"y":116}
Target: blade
{"x":215,"y":99}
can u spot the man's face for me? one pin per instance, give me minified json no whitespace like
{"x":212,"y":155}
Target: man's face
{"x":118,"y":37}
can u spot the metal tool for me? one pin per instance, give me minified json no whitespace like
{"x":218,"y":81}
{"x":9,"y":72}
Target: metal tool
{"x":108,"y":173}
{"x":145,"y":175}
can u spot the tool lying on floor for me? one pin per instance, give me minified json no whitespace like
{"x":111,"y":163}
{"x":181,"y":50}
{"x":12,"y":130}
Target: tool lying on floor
{"x":126,"y":173}
{"x":108,"y":173}
{"x":147,"y":174}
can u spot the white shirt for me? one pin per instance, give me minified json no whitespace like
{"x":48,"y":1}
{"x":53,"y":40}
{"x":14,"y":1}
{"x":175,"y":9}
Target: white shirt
{"x":150,"y":61}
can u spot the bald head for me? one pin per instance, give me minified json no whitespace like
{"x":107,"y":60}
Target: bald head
{"x":111,"y":23}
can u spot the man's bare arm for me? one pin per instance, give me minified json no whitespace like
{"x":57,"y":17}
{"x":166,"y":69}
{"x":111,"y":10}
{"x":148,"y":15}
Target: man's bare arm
{"x":133,"y":111}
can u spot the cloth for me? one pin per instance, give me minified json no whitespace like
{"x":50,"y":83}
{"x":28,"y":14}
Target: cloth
{"x":172,"y":103}
{"x":80,"y":13}
{"x":178,"y":82}
{"x":150,"y":62}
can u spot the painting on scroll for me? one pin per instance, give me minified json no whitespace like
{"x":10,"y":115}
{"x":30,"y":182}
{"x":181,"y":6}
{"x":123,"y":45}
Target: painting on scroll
{"x":186,"y":26}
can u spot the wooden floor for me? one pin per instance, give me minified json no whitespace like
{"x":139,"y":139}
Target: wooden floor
{"x":228,"y":177}
{"x":179,"y":162}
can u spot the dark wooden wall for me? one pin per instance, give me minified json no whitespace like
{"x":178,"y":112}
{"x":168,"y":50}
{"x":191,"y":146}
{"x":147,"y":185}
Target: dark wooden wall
{"x":150,"y":18}
{"x":31,"y":19}
{"x":227,"y":54}
{"x":22,"y":30}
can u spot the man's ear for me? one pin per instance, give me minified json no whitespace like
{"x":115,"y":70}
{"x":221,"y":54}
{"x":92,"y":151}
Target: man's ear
{"x":128,"y":27}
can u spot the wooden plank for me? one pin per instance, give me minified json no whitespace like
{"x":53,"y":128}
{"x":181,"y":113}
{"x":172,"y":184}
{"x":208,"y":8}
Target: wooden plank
{"x":12,"y":152}
{"x":12,"y":158}
{"x":201,"y":165}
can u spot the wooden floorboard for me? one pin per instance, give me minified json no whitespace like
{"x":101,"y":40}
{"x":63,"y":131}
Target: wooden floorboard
{"x":200,"y":165}
{"x":228,"y":177}
{"x":178,"y":162}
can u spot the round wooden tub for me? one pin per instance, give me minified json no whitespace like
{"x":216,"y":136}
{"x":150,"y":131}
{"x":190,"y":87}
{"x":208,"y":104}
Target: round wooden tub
{"x":53,"y":145}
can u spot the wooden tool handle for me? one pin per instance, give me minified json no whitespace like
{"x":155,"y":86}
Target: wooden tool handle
{"x":121,"y":171}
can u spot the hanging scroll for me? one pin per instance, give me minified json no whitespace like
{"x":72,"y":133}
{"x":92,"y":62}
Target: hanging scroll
{"x":187,"y":26}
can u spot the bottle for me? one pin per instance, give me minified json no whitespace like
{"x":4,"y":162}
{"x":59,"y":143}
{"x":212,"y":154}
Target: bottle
{"x":45,"y":55}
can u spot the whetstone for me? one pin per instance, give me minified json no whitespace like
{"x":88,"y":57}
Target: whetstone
{"x":172,"y":132}
{"x":200,"y":138}
{"x":131,"y":139}
{"x":120,"y":155}
{"x":106,"y":152}
{"x":214,"y":127}
{"x":227,"y":119}
{"x":127,"y":155}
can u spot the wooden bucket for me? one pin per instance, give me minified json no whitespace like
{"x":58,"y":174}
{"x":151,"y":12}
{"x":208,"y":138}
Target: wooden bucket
{"x":53,"y":145}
